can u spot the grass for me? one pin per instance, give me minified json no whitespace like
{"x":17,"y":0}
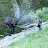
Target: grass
{"x":37,"y":39}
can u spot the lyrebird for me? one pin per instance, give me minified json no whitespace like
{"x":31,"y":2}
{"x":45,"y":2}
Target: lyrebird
{"x":9,"y":21}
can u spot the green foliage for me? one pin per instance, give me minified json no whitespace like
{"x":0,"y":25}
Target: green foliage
{"x":43,"y":14}
{"x":40,"y":3}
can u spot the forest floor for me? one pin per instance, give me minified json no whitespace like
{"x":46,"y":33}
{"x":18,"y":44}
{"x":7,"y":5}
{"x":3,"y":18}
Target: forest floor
{"x":9,"y":39}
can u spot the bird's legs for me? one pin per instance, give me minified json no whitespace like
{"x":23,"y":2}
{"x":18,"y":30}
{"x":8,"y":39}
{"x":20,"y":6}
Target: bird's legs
{"x":12,"y":30}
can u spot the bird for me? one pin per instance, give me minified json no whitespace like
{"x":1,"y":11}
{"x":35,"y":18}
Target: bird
{"x":9,"y":21}
{"x":39,"y":26}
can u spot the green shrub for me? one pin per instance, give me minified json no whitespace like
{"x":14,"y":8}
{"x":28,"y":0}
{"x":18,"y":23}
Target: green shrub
{"x":43,"y":14}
